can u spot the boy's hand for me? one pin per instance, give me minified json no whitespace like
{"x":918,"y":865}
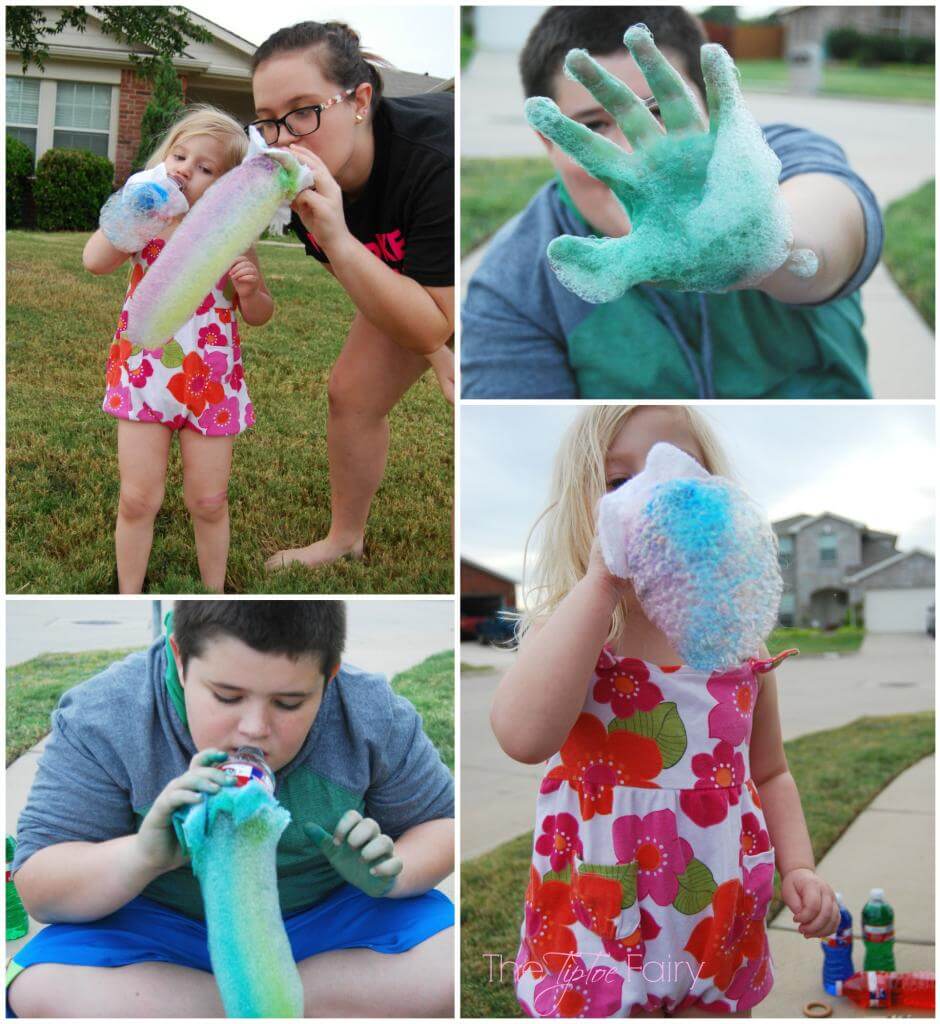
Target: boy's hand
{"x":156,"y":840}
{"x":245,"y":277}
{"x":812,"y":901}
{"x":360,"y":852}
{"x":704,"y":204}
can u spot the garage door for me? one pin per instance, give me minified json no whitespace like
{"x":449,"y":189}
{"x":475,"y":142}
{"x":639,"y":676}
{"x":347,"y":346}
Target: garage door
{"x":897,"y":611}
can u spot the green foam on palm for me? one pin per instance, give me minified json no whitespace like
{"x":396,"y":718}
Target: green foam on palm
{"x":232,"y":838}
{"x":704,"y":204}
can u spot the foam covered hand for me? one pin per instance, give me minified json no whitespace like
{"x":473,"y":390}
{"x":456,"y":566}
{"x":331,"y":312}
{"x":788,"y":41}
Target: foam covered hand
{"x":701,"y":556}
{"x":360,"y":852}
{"x":142,"y":209}
{"x":704,"y":204}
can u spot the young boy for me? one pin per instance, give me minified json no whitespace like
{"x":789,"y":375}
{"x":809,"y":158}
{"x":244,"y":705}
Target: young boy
{"x":98,"y":854}
{"x":524,"y":335}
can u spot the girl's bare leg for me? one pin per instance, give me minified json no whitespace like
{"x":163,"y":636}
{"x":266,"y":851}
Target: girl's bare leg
{"x":371,"y":375}
{"x":143,"y":452}
{"x":207,"y":465}
{"x":138,"y":990}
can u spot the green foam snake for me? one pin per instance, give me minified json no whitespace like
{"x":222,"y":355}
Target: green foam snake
{"x":232,"y":837}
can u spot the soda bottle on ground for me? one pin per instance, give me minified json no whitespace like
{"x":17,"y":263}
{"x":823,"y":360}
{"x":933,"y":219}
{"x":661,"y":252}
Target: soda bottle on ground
{"x":837,"y":950}
{"x":881,"y":989}
{"x":878,"y":932}
{"x":17,"y":921}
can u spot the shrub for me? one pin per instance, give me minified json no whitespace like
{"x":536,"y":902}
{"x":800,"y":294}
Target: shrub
{"x":19,"y":186}
{"x":842,"y":43}
{"x":71,"y":187}
{"x":848,"y":44}
{"x":919,"y":50}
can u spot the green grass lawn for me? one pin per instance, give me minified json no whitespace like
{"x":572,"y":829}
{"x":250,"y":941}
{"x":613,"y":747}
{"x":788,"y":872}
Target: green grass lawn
{"x":35,"y":686}
{"x":838,"y":772}
{"x":842,"y":78}
{"x":816,"y":641}
{"x":430,"y":687}
{"x":492,"y":191}
{"x":909,"y":247}
{"x":62,"y":481}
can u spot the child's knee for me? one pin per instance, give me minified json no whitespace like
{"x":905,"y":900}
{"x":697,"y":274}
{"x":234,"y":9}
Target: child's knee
{"x":138,"y":503}
{"x":207,"y":508}
{"x":33,"y":992}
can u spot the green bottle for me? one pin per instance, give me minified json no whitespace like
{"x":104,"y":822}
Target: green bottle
{"x":878,"y":933}
{"x":17,"y":921}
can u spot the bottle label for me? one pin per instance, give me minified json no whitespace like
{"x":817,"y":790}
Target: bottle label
{"x":877,"y":994}
{"x":878,"y":932}
{"x":243,"y":773}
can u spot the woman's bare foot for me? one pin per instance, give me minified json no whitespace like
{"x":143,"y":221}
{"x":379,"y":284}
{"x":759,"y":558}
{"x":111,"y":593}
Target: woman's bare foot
{"x":322,"y":552}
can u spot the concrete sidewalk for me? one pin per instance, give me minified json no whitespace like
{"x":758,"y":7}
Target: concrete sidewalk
{"x":901,"y":356}
{"x":890,"y":845}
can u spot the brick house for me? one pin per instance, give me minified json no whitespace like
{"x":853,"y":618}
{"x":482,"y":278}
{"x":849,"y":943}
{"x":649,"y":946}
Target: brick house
{"x":89,"y":96}
{"x":810,"y":24}
{"x":833,"y":567}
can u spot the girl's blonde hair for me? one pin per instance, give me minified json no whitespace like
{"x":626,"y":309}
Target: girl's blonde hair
{"x":579,"y":481}
{"x":204,"y":119}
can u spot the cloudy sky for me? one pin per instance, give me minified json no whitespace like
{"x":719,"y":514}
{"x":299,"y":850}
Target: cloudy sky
{"x":418,"y":38}
{"x":872,"y":463}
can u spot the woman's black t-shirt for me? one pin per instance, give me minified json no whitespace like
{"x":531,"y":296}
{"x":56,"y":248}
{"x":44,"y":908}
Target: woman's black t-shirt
{"x":405,"y":214}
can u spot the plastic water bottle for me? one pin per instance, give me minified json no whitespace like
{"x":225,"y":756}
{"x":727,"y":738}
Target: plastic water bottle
{"x":837,"y":951}
{"x":248,"y":763}
{"x":17,"y":920}
{"x":878,"y":932}
{"x":885,"y":989}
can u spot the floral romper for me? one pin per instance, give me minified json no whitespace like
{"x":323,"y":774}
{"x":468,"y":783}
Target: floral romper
{"x":196,"y":379}
{"x":652,"y":869}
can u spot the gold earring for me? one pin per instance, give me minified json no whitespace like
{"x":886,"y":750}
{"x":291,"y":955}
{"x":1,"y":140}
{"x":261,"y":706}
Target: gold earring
{"x":359,"y":118}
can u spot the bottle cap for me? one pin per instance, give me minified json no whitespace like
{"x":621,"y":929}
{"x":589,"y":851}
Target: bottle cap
{"x":877,"y":894}
{"x":839,"y":899}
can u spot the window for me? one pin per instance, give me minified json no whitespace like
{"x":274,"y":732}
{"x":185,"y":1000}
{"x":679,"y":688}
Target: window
{"x":787,"y":609}
{"x":828,"y":550}
{"x":23,"y":110}
{"x":82,"y":116}
{"x":785,"y":552}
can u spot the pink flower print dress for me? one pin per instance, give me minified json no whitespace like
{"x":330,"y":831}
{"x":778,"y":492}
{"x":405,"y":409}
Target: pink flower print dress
{"x":652,"y":868}
{"x":195,"y":380}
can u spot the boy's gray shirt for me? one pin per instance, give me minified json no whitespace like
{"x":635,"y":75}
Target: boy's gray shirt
{"x":117,"y":741}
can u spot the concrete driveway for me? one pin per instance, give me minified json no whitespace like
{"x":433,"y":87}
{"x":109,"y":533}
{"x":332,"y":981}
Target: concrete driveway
{"x":890,"y":144}
{"x":892,"y":674}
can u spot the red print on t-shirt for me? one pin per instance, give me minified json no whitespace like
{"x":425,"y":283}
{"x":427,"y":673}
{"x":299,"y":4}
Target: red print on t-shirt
{"x":389,"y":247}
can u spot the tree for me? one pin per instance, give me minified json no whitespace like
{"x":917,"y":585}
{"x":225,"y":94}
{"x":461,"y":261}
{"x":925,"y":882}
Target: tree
{"x":720,"y":15}
{"x":166,"y":103}
{"x":164,"y":30}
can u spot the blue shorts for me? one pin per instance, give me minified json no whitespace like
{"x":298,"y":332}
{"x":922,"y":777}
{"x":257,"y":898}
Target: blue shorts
{"x":144,"y":931}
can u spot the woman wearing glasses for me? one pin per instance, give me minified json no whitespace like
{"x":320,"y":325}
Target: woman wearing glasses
{"x":380,"y":217}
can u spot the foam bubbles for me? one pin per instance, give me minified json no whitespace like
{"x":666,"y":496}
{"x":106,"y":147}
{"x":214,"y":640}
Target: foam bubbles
{"x":701,"y":556}
{"x":704,"y":203}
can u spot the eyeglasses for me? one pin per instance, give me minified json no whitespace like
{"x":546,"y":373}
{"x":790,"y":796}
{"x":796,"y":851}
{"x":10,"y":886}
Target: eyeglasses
{"x":299,"y":122}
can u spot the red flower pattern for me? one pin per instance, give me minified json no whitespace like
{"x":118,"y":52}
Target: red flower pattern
{"x":625,"y":685}
{"x":594,"y":761}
